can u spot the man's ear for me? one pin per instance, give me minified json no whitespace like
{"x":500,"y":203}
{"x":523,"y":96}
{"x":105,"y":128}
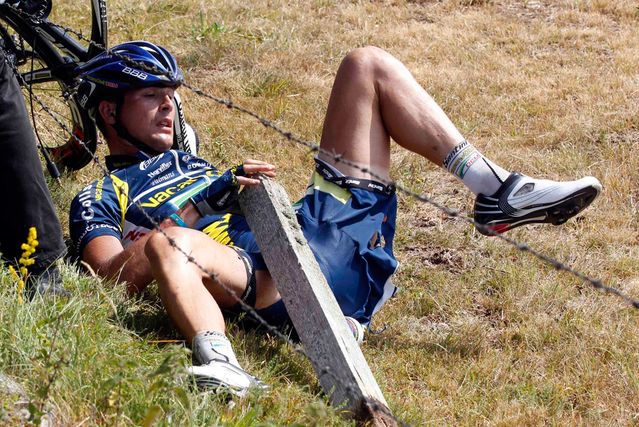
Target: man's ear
{"x":106,"y":109}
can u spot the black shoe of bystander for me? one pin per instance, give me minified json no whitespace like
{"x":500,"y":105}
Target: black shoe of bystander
{"x":46,"y":283}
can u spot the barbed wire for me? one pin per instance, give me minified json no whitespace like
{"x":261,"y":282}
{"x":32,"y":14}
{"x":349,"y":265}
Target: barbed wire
{"x":349,"y":387}
{"x":313,"y":147}
{"x":338,"y":158}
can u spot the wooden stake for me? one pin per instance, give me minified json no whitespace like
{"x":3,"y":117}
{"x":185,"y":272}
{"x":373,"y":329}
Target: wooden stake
{"x":327,"y":339}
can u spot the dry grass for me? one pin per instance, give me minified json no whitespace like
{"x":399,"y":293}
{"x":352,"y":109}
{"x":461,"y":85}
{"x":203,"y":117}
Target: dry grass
{"x":480,"y":334}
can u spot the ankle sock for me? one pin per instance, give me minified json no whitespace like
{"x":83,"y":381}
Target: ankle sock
{"x":475,"y":171}
{"x":213,"y":345}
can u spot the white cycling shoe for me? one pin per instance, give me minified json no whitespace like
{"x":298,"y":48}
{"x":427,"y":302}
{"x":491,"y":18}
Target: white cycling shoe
{"x":523,"y":200}
{"x":224,"y":377}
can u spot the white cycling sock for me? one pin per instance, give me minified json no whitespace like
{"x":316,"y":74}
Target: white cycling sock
{"x":477,"y":173}
{"x":212,"y":345}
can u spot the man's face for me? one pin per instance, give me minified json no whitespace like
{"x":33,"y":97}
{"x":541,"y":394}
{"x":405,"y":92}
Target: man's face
{"x":148,"y":114}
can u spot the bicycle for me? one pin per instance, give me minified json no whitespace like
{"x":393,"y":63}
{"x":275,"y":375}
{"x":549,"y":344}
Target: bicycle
{"x":28,"y":37}
{"x":45,"y":56}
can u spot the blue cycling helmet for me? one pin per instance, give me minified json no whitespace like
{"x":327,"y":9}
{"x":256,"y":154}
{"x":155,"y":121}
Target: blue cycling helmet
{"x":130,"y":65}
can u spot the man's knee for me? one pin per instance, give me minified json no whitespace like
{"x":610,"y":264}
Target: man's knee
{"x":160,"y":247}
{"x":368,"y":60}
{"x":166,"y":254}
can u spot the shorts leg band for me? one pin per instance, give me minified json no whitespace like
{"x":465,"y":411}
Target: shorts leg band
{"x":250,"y":293}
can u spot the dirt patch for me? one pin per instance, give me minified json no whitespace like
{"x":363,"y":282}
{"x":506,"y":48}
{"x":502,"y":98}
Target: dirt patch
{"x":529,"y":10}
{"x":487,"y":308}
{"x":433,"y":257}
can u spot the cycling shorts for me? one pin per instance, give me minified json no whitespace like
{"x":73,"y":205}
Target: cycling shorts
{"x":232,"y":230}
{"x":350,"y":225}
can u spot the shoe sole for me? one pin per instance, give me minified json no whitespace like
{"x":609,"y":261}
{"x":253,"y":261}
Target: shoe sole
{"x":556,"y":215}
{"x":211,"y":384}
{"x":207,"y":383}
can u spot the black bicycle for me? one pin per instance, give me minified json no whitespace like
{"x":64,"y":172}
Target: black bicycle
{"x":45,"y":55}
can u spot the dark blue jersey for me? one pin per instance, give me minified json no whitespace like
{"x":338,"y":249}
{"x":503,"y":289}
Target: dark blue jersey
{"x":350,"y":230}
{"x":158,"y":185}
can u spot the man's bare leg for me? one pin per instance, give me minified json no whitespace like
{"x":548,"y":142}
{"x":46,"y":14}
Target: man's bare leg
{"x":375,"y":98}
{"x":193,"y":301}
{"x":190,"y":297}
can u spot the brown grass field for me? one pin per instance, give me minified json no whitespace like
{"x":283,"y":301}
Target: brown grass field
{"x":480,"y":333}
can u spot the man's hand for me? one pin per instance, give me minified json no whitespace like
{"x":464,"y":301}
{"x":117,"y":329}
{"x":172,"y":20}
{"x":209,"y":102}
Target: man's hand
{"x":250,"y":168}
{"x":222,"y":194}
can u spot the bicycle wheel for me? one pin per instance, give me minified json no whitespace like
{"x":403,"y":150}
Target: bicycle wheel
{"x":61,"y":125}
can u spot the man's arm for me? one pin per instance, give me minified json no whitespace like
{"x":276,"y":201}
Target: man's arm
{"x":106,"y":255}
{"x":108,"y":258}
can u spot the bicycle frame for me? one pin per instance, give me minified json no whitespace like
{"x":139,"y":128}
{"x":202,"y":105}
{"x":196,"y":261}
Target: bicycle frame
{"x":33,"y":37}
{"x":51,"y":44}
{"x":99,"y":26}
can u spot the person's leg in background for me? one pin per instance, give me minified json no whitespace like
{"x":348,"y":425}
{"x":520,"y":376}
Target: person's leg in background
{"x":27,"y":202}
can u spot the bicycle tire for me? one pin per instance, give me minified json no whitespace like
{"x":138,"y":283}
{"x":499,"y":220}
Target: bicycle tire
{"x":51,"y":82}
{"x":73,"y":154}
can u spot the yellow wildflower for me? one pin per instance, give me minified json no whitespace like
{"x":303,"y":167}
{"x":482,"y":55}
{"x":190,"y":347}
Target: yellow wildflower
{"x":24,"y":262}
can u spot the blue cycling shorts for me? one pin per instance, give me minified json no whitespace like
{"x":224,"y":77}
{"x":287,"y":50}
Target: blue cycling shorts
{"x":350,"y":231}
{"x":233,"y":230}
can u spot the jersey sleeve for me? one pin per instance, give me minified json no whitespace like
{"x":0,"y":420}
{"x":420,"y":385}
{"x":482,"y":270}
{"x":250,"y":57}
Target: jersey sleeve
{"x":95,"y":212}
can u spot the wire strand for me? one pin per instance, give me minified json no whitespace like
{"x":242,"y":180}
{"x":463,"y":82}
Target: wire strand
{"x":313,"y":147}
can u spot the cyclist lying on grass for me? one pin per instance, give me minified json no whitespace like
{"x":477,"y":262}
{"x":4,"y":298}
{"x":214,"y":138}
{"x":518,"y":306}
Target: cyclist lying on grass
{"x":349,"y":223}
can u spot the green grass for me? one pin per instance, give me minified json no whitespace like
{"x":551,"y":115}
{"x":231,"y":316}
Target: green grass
{"x":98,"y":357}
{"x":480,"y":334}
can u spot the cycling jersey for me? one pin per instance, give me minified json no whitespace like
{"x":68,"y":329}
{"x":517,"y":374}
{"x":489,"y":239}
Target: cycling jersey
{"x":350,"y":230}
{"x":159,"y":185}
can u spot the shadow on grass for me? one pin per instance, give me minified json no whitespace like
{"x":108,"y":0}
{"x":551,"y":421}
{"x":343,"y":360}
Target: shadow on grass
{"x":281,"y":358}
{"x":146,"y":317}
{"x":468,"y":345}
